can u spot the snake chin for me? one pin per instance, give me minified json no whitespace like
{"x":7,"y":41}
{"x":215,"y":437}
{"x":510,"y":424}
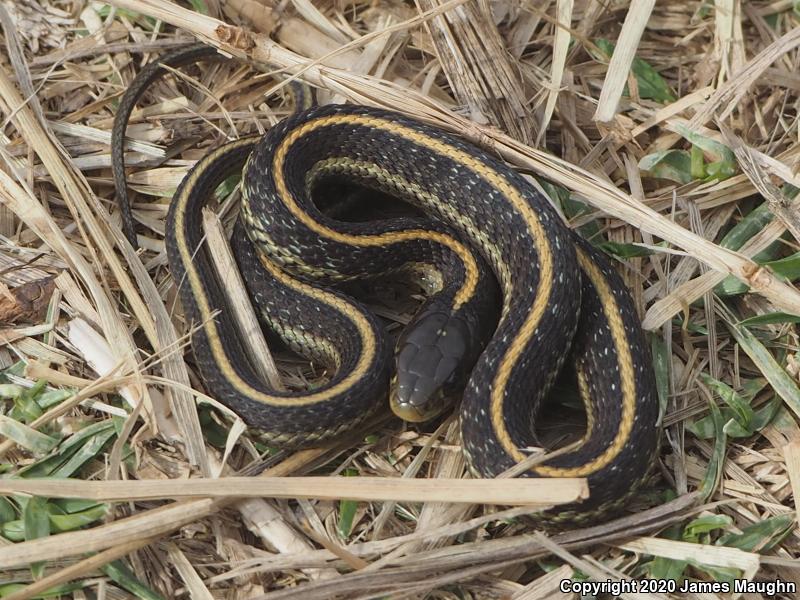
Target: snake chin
{"x":418,"y":408}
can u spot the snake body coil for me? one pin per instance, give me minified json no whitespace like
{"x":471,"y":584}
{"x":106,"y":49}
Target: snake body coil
{"x":553,"y":284}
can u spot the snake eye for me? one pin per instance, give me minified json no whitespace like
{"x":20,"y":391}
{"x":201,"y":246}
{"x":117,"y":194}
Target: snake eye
{"x":433,"y":363}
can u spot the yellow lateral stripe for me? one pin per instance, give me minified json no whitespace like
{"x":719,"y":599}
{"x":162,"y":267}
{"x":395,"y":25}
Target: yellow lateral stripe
{"x":626,"y":373}
{"x":210,"y":325}
{"x":491,"y":176}
{"x":583,"y":390}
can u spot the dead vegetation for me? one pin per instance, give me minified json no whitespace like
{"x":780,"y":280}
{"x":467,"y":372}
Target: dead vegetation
{"x":667,"y":131}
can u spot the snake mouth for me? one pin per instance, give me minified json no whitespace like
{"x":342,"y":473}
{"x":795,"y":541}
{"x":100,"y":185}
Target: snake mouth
{"x":418,"y":412}
{"x":413,"y":414}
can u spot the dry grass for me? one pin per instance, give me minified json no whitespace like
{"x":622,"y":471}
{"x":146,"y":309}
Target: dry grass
{"x":681,"y":150}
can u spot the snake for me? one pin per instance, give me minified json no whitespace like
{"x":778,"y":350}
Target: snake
{"x":514,"y":294}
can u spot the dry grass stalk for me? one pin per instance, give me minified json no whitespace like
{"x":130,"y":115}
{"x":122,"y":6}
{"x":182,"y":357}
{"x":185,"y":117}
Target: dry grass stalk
{"x":544,"y":493}
{"x":719,"y":556}
{"x":792,"y":453}
{"x":561,"y":42}
{"x":191,"y":579}
{"x":466,"y":41}
{"x":732,"y":91}
{"x":783,"y":208}
{"x":620,"y":65}
{"x":237,"y":297}
{"x":728,"y":37}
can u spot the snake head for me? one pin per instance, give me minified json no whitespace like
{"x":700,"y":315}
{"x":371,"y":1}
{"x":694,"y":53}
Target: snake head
{"x":434,"y":357}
